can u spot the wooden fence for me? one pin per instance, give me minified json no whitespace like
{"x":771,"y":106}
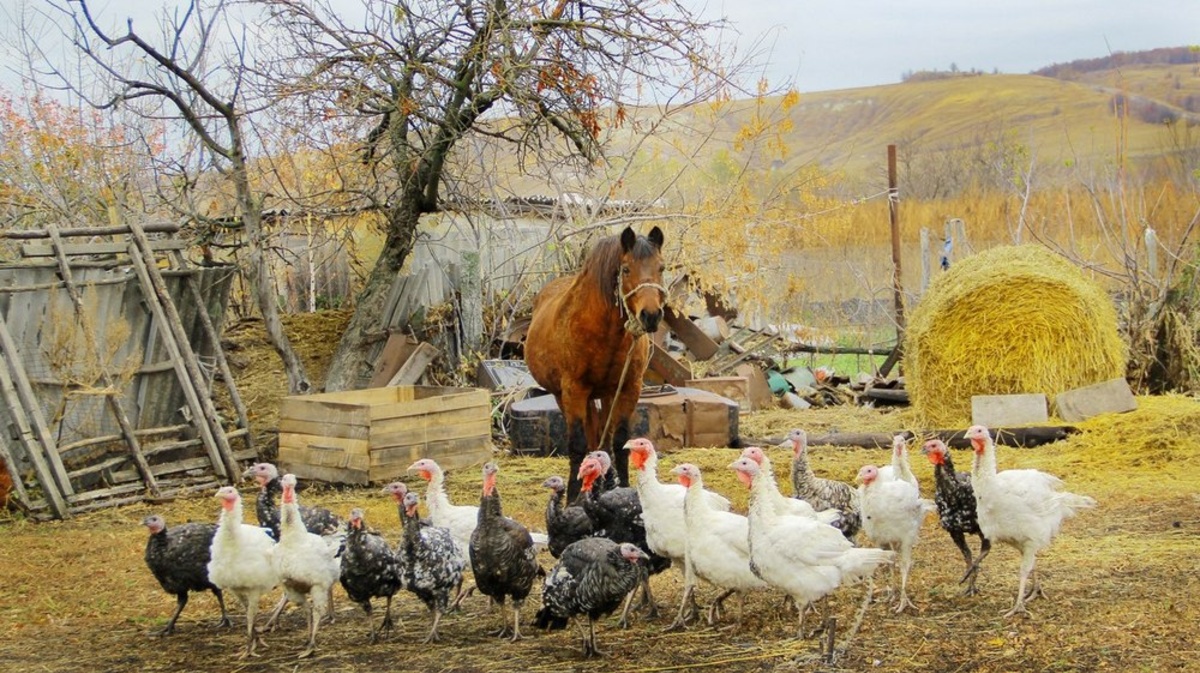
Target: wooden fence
{"x":111,"y":348}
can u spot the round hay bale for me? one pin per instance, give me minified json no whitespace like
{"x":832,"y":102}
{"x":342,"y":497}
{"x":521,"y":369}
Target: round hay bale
{"x":1014,"y":319}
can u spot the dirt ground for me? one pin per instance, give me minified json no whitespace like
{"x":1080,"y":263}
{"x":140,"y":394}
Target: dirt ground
{"x":1122,"y":579}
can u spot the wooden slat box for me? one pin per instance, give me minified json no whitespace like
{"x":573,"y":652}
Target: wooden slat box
{"x":372,"y":435}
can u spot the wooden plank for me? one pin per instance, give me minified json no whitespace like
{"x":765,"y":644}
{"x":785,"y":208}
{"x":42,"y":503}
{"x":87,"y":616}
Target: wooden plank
{"x":325,"y":454}
{"x":395,"y":432}
{"x":396,"y":352}
{"x":49,"y":250}
{"x":164,"y":469}
{"x":410,"y":372}
{"x":470,"y":397}
{"x":333,"y":475}
{"x":477,"y":429}
{"x":324,"y":411}
{"x":473,"y":445}
{"x":671,"y":370}
{"x":323,"y":428}
{"x":208,"y":421}
{"x":323,"y":443}
{"x":356,"y":398}
{"x":154,"y":294}
{"x":28,"y":234}
{"x":47,"y":477}
{"x":698,"y":343}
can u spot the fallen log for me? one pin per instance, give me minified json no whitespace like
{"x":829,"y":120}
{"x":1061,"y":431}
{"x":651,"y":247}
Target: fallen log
{"x":1025,"y":437}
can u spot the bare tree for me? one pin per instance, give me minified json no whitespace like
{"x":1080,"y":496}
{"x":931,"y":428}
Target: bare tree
{"x":548,"y":78}
{"x":206,"y":92}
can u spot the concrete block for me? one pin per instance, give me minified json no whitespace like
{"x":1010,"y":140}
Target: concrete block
{"x":1080,"y":404}
{"x":997,"y":411}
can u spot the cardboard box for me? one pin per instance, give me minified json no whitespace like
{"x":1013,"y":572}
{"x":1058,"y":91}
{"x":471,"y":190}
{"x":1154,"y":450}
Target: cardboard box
{"x":736,"y":388}
{"x":373,"y":435}
{"x":672,"y":419}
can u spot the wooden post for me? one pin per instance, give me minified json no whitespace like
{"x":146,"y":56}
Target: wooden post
{"x":214,"y":336}
{"x":925,"y":251}
{"x":111,"y":396}
{"x":470,"y":292}
{"x":897,"y":286}
{"x":184,"y":360}
{"x":33,"y":445}
{"x":1152,"y":254}
{"x":14,"y":474}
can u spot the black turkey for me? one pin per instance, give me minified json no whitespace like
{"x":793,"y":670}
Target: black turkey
{"x":955,"y":498}
{"x":178,"y":557}
{"x":592,"y":578}
{"x":503,"y":558}
{"x":317,"y":520}
{"x":564,"y":524}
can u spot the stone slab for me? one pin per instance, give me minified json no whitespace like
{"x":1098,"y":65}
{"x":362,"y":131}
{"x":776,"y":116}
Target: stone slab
{"x":997,"y":411}
{"x":1080,"y":404}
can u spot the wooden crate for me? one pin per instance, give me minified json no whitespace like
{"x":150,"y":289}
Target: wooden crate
{"x":373,"y":435}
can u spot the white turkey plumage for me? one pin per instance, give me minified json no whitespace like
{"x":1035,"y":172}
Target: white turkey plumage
{"x":1021,"y":508}
{"x":308,"y":566}
{"x":892,"y":513}
{"x":242,"y":561}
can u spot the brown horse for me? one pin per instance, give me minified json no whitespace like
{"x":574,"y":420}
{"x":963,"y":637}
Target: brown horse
{"x":588,"y":341}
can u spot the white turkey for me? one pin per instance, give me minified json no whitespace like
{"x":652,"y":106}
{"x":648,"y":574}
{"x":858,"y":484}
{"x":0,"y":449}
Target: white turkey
{"x":900,"y":468}
{"x":308,"y":566}
{"x":368,"y":570}
{"x":662,"y":514}
{"x":178,"y":558}
{"x":780,"y":503}
{"x":802,"y":557}
{"x":460,"y":520}
{"x":242,"y":561}
{"x":892,"y":513}
{"x":592,"y":578}
{"x":1021,"y":508}
{"x":431,"y":563}
{"x":718,"y":544}
{"x":822,"y":493}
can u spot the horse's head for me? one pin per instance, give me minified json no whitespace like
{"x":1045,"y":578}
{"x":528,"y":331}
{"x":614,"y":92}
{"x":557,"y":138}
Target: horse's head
{"x":641,"y":282}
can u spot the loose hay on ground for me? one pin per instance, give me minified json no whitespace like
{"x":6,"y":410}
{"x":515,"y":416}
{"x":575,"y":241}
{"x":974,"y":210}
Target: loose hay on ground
{"x":76,"y":593}
{"x":1013,"y":319}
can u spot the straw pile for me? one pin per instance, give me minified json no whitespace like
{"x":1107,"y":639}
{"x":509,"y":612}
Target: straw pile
{"x":1015,"y":319}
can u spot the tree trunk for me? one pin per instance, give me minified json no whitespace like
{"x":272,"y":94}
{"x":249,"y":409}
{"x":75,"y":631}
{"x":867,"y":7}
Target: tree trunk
{"x":261,"y":284}
{"x":351,"y":368}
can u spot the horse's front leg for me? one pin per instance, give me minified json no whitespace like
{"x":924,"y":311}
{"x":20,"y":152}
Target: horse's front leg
{"x":574,"y":410}
{"x":622,"y":420}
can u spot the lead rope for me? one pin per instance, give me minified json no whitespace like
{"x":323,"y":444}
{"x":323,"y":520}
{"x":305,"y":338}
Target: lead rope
{"x":634,"y":327}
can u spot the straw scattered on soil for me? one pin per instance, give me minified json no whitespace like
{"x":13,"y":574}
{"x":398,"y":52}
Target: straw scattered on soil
{"x":1122,"y":578}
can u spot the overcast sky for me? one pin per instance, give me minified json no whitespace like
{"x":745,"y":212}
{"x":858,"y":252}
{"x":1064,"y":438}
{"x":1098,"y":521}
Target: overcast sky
{"x":837,"y":44}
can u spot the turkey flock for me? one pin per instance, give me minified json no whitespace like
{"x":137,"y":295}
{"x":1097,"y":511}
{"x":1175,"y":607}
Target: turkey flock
{"x":607,"y":544}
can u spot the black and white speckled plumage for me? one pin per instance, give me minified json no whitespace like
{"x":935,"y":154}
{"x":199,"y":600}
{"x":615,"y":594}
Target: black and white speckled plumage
{"x":821,"y":493}
{"x":178,"y":558}
{"x":592,"y":578}
{"x":317,"y":520}
{"x":564,"y":524}
{"x":431,"y":562}
{"x":955,"y":499}
{"x":368,"y":569}
{"x":503,"y":558}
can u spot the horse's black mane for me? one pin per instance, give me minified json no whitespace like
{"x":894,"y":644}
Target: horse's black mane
{"x":604,"y":261}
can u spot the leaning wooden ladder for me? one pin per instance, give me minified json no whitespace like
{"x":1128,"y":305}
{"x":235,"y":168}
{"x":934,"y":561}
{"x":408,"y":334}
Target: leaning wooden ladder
{"x":150,"y":479}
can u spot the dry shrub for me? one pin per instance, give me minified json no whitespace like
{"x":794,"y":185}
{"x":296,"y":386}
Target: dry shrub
{"x":1014,"y":319}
